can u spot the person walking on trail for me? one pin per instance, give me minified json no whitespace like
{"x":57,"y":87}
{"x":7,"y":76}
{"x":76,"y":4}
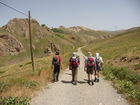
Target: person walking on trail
{"x":56,"y":64}
{"x":73,"y":66}
{"x":89,"y":67}
{"x":98,"y":67}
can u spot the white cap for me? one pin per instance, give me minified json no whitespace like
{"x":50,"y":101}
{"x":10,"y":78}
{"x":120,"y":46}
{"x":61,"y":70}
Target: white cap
{"x":74,"y":53}
{"x":97,"y":55}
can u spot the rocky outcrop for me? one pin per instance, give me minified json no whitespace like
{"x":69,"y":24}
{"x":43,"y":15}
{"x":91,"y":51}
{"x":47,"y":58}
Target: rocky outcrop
{"x":125,"y":59}
{"x":9,"y":45}
{"x":78,"y":28}
{"x":21,"y":27}
{"x":51,"y":49}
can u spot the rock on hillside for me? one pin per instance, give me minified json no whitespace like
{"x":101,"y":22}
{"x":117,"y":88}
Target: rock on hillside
{"x":9,"y":45}
{"x":52,"y":48}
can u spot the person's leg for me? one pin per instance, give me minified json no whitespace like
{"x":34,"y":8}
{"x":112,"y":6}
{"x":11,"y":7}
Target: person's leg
{"x":75,"y":75}
{"x":88,"y":75}
{"x":97,"y":75}
{"x":72,"y":75}
{"x":58,"y":70}
{"x":54,"y":74}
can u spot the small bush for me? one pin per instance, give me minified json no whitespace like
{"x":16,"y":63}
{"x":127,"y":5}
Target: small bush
{"x":125,"y":74}
{"x":60,"y":35}
{"x":57,"y":30}
{"x":14,"y":101}
{"x":134,"y":77}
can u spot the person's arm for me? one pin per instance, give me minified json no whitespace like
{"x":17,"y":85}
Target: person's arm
{"x":101,"y":63}
{"x":78,"y":60}
{"x":52,"y":64}
{"x":70,"y":59}
{"x":101,"y":60}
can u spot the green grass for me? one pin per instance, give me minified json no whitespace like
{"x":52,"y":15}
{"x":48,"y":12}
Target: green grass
{"x":124,"y":44}
{"x":14,"y":101}
{"x":125,"y":81}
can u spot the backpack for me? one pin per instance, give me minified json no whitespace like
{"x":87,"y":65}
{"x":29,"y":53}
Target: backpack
{"x":98,"y":63}
{"x":74,"y":62}
{"x":56,"y":61}
{"x":90,"y":62}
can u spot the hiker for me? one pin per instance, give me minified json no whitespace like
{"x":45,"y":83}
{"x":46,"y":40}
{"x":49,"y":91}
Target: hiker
{"x":89,"y":67}
{"x":56,"y":64}
{"x":99,"y":64}
{"x":73,"y":65}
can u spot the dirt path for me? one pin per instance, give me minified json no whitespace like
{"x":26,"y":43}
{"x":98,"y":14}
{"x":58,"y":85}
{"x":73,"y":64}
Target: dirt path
{"x":64,"y":93}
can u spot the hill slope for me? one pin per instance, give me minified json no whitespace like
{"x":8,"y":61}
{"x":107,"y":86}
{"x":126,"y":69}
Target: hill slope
{"x":65,"y":39}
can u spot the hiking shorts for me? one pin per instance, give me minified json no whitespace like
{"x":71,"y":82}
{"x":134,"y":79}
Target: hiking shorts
{"x":98,"y":68}
{"x":90,"y":70}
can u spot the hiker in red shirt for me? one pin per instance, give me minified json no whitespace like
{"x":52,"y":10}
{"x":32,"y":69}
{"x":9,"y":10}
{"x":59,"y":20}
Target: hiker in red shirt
{"x":56,"y":62}
{"x":90,"y":67}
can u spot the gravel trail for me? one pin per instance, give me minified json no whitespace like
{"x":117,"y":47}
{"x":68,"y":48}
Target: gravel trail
{"x":65,"y":93}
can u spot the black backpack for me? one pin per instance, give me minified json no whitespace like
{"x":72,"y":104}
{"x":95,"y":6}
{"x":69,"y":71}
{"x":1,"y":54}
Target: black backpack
{"x":98,"y":63}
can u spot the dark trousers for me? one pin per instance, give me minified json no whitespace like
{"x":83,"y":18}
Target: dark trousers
{"x":56,"y":73}
{"x":74,"y":74}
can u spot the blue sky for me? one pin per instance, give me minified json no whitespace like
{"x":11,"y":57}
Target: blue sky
{"x":94,"y":14}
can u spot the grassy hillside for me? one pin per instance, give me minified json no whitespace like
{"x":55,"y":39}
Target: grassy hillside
{"x":85,"y":35}
{"x":41,"y":35}
{"x":121,"y":55}
{"x":16,"y":75}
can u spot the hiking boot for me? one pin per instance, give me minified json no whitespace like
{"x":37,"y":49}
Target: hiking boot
{"x":92,"y":82}
{"x":89,"y":82}
{"x":57,"y":80}
{"x":74,"y":83}
{"x":97,"y":80}
{"x":53,"y":81}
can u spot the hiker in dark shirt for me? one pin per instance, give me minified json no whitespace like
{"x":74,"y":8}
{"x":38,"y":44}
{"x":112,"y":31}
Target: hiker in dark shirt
{"x":73,"y":66}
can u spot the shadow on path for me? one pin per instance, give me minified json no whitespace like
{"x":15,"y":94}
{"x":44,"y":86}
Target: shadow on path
{"x":67,"y":82}
{"x":68,"y":73}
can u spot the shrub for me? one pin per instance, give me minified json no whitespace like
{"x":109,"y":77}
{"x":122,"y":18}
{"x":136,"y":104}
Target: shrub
{"x":14,"y":101}
{"x":124,"y":73}
{"x":57,"y":30}
{"x":60,"y":35}
{"x":134,"y":77}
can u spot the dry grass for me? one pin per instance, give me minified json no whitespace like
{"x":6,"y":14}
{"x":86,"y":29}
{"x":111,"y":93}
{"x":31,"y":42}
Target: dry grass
{"x":19,"y":80}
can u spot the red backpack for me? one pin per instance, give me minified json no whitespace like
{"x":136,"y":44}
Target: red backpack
{"x":74,"y":62}
{"x":90,"y":62}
